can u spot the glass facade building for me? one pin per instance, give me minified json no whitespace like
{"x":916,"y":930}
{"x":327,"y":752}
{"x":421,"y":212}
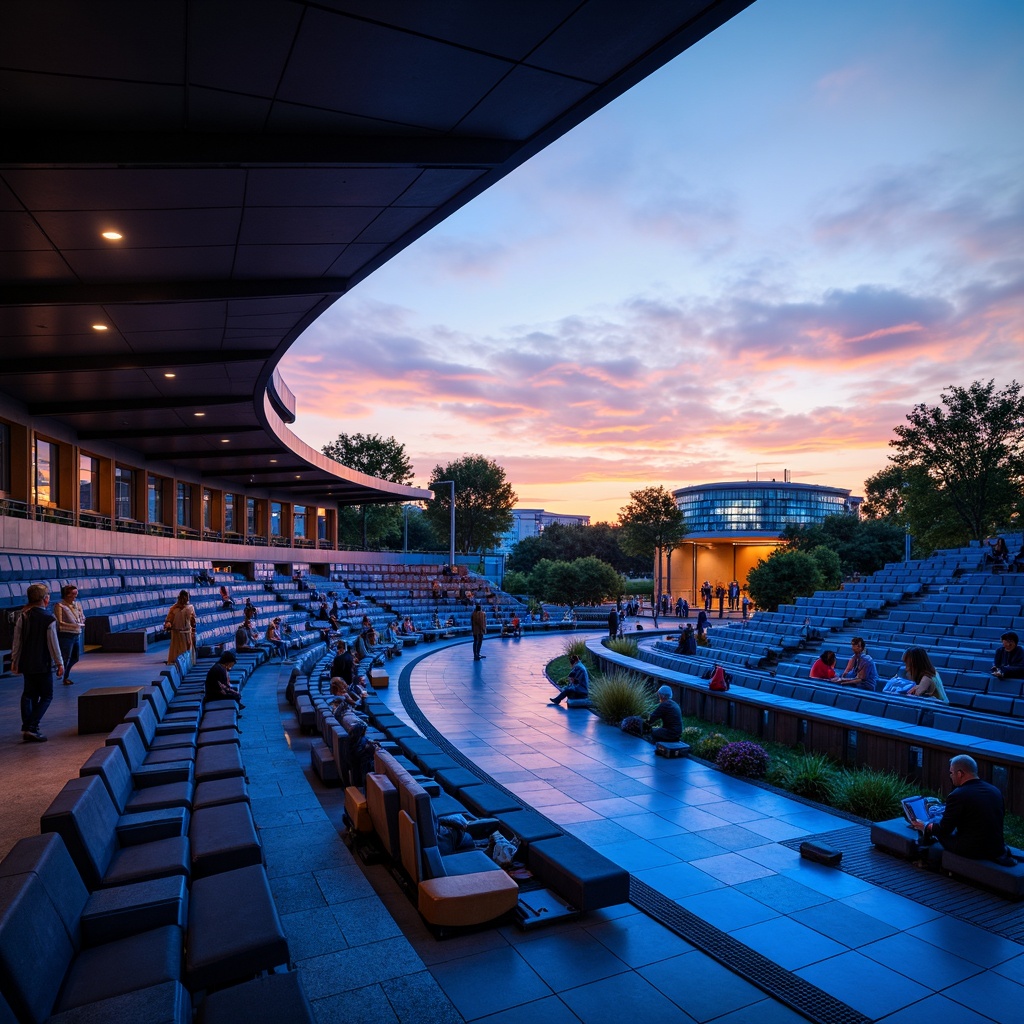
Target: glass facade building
{"x":759,"y":508}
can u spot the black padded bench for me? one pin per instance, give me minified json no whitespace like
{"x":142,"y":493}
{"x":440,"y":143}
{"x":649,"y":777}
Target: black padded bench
{"x":585,"y":878}
{"x":1006,"y":880}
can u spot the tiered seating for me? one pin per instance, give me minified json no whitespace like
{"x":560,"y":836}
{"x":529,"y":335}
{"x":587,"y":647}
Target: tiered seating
{"x":147,"y":888}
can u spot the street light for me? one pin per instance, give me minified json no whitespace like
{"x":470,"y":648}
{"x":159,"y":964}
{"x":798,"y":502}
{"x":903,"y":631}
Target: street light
{"x":451,"y":533}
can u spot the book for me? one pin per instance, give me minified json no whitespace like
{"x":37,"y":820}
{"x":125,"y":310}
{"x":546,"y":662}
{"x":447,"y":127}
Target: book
{"x":927,"y":809}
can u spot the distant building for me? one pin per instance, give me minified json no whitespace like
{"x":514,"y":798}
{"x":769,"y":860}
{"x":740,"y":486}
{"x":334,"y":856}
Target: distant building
{"x":731,"y":526}
{"x":532,"y":522}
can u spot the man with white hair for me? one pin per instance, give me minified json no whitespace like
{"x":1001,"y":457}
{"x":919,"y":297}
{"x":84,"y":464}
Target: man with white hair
{"x":667,"y":712}
{"x":972,"y":823}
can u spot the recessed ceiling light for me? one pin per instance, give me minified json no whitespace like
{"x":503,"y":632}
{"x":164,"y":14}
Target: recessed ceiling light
{"x":298,"y":476}
{"x":225,"y":440}
{"x":100,"y":327}
{"x":170,"y":376}
{"x":113,"y":236}
{"x":199,"y":414}
{"x":273,"y":460}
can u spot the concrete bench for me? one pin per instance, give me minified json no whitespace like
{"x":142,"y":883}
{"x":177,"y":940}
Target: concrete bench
{"x":1006,"y":880}
{"x":265,"y":1000}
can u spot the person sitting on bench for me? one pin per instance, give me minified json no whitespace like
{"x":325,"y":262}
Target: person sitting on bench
{"x":218,"y":680}
{"x":1009,"y":659}
{"x":577,"y":684}
{"x":667,"y":712}
{"x":972,"y":823}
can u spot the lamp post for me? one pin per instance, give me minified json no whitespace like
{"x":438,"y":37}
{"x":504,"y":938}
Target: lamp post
{"x":451,"y":531}
{"x":405,"y":529}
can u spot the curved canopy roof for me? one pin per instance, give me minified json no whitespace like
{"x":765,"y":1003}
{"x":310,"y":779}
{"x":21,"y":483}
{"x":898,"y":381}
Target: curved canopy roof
{"x":257,"y":159}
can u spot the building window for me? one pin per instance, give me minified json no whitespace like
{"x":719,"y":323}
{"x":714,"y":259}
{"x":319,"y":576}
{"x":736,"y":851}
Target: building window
{"x":88,"y":483}
{"x":250,"y":517}
{"x":183,"y":509}
{"x":45,"y":472}
{"x":207,"y":509}
{"x":124,"y":493}
{"x":321,"y":524}
{"x":5,"y":458}
{"x":229,"y":513}
{"x":275,"y":519}
{"x":155,"y":495}
{"x":299,"y":521}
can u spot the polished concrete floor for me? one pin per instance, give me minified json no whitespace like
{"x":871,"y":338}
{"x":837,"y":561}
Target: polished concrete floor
{"x":709,"y":843}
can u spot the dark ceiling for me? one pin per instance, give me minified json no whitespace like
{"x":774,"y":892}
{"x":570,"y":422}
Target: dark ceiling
{"x":259,"y":158}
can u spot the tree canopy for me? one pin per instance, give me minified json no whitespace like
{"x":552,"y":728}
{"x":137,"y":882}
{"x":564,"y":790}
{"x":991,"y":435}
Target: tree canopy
{"x":862,"y":545}
{"x":560,"y":542}
{"x":582,"y":581}
{"x":484,"y":500}
{"x":371,"y":525}
{"x":782,"y":577}
{"x":957,"y":472}
{"x":650,"y":522}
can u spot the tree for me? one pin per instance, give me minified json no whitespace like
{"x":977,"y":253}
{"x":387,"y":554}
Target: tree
{"x":829,"y":567}
{"x":582,"y":581}
{"x":483,"y":502}
{"x":651,"y":522}
{"x":782,"y":577}
{"x":382,"y":457}
{"x":561,"y":542}
{"x":863,"y":545}
{"x":970,"y":452}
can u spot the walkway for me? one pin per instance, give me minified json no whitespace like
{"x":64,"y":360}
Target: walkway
{"x":712,"y":845}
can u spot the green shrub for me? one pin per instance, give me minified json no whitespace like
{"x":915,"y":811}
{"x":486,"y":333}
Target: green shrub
{"x":872,"y":794}
{"x":692,"y":734}
{"x":575,"y":646}
{"x":812,"y":776}
{"x":624,"y":646}
{"x":619,"y":694}
{"x":709,"y":746}
{"x":744,"y":758}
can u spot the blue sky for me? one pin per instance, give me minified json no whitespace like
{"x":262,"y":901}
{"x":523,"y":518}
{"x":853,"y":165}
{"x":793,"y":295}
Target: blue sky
{"x":759,"y":258}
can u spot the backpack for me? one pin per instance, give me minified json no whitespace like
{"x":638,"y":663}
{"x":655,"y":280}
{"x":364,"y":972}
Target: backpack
{"x":633,"y":724}
{"x":719,"y":679}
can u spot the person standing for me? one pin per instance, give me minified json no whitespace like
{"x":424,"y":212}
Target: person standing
{"x":34,"y":653}
{"x":70,"y":629}
{"x":720,"y":594}
{"x":613,"y":624}
{"x":478,"y":623}
{"x":181,"y":623}
{"x":745,"y":604}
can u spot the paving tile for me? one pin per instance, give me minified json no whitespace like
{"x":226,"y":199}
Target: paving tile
{"x":937,"y":969}
{"x":636,"y":854}
{"x":542,"y":1011}
{"x":735,"y":812}
{"x":312,"y":933}
{"x":990,"y":994}
{"x":897,"y":910}
{"x":363,"y":921}
{"x":418,"y":999}
{"x":639,"y":940}
{"x":937,"y":1010}
{"x":827,"y":880}
{"x":727,"y":909}
{"x":296,"y":892}
{"x":781,"y":893}
{"x":571,"y":959}
{"x":788,"y":943}
{"x":674,"y":881}
{"x":844,"y":924}
{"x":765,"y":1012}
{"x":867,"y":986}
{"x":707,"y":989}
{"x":599,"y":831}
{"x":363,"y":1004}
{"x":971,"y":943}
{"x":732,"y":837}
{"x":606,"y":1002}
{"x":649,"y":826}
{"x":731,"y":868}
{"x":470,"y":982}
{"x":687,"y":846}
{"x":696,"y":819}
{"x":349,"y":969}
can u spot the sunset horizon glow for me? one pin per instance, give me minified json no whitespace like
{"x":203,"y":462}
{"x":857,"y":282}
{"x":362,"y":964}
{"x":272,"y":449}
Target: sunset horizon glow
{"x":759,"y":259}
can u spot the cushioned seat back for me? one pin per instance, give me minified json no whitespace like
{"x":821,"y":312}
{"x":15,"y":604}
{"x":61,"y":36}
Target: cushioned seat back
{"x":127,"y":737}
{"x":35,"y":949}
{"x":410,"y":846}
{"x":84,"y":816}
{"x":382,"y":803}
{"x":144,"y":720}
{"x":109,"y":764}
{"x":47,"y":856}
{"x":349,"y":720}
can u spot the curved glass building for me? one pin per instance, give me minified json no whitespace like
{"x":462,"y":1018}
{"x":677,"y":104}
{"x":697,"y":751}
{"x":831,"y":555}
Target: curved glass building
{"x":732,"y":525}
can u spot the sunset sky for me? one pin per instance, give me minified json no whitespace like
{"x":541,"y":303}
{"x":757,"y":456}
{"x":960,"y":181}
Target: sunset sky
{"x":758,"y":259}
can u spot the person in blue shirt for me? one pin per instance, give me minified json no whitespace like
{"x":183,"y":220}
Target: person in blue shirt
{"x":860,"y":670}
{"x":577,"y":684}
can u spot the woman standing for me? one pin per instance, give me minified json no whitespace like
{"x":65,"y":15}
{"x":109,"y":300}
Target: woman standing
{"x":70,"y":626}
{"x":927,"y":682}
{"x":181,"y":622}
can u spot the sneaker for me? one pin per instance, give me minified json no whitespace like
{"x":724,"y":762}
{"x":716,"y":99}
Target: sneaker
{"x":28,"y":736}
{"x":554,"y":700}
{"x":69,"y":682}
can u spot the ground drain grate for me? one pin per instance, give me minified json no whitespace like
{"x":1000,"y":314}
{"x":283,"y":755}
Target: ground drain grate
{"x":775,"y":981}
{"x":945,"y":895}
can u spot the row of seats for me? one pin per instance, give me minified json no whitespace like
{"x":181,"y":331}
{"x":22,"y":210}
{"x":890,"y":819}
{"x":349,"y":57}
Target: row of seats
{"x":18,"y":566}
{"x":413,"y":785}
{"x":146,"y":892}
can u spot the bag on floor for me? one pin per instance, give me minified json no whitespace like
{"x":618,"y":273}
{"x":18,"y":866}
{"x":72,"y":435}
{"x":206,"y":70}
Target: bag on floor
{"x":503,"y":851}
{"x":633,"y":724}
{"x":719,"y":679}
